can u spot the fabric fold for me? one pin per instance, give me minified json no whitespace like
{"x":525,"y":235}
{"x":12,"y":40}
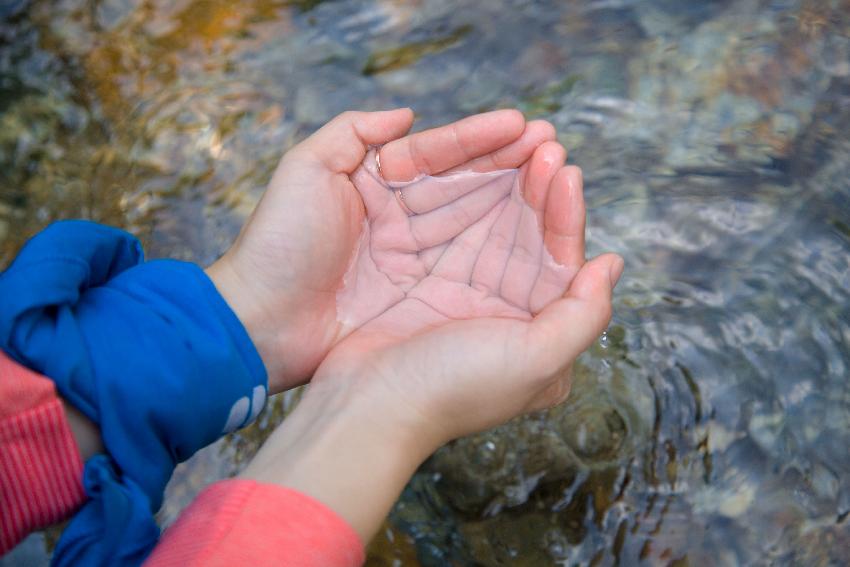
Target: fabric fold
{"x":149,"y":351}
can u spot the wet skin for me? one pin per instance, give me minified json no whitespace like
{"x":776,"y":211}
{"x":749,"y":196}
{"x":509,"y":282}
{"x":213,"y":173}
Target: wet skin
{"x":299,"y":242}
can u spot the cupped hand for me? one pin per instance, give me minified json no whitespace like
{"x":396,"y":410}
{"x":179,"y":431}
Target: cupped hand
{"x":458,"y":330}
{"x":283,"y":273}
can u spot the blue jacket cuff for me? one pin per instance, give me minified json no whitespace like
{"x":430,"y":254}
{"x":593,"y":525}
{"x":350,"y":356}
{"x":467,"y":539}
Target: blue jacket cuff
{"x":150,"y":351}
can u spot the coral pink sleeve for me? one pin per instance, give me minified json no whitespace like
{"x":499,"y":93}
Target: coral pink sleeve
{"x":243,"y":522}
{"x":40,"y":464}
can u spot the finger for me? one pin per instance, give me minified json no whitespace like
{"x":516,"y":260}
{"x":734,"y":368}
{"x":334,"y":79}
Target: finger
{"x":564,"y":222}
{"x":524,"y":263}
{"x":514,"y":154}
{"x":457,"y":262}
{"x":436,"y":150}
{"x":443,"y":224}
{"x":567,"y":327}
{"x":430,"y":193}
{"x":490,"y":266}
{"x":341,"y":144}
{"x":377,"y":197}
{"x":538,"y":174}
{"x":565,"y":218}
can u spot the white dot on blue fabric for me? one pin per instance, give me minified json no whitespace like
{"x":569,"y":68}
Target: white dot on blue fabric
{"x":258,"y":402}
{"x":238,"y":413}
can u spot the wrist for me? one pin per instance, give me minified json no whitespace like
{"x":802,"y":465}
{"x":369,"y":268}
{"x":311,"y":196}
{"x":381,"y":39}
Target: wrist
{"x":344,"y":451}
{"x":291,"y":334}
{"x":258,"y":322}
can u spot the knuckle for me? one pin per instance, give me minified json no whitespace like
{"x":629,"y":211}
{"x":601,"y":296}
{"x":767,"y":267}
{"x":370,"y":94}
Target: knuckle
{"x":460,"y":144}
{"x":346,"y":119}
{"x":419,"y":155}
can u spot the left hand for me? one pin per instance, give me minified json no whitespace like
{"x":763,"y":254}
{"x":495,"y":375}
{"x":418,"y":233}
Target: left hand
{"x":282,"y":274}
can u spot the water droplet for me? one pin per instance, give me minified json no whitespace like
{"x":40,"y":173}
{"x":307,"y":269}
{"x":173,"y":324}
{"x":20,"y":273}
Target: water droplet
{"x":604,"y":341}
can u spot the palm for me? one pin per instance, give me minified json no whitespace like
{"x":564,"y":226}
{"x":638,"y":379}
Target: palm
{"x":464,"y":245}
{"x":437,"y":260}
{"x":402,"y":253}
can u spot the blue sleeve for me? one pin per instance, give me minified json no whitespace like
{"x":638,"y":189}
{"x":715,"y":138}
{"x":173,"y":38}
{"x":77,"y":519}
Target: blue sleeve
{"x":149,"y":351}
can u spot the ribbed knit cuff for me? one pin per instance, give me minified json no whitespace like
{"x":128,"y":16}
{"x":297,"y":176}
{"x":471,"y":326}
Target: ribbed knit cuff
{"x":40,"y":464}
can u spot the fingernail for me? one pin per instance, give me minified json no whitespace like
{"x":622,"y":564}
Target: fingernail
{"x":615,"y":271}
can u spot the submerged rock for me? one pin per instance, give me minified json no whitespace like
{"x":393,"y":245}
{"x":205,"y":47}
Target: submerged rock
{"x":599,"y":428}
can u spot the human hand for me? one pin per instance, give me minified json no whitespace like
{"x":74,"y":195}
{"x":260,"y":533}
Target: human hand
{"x":469,"y":336}
{"x":283,"y":273}
{"x":413,"y":378}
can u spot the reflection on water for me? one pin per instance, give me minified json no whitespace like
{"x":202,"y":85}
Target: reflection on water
{"x":711,"y":424}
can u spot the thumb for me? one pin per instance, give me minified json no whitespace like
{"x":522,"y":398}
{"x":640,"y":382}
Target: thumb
{"x":341,"y":144}
{"x":567,"y":327}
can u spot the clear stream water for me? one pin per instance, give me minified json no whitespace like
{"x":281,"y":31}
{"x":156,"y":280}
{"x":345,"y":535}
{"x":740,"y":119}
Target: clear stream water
{"x":709,"y":426}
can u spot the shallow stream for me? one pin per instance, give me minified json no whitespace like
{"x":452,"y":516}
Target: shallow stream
{"x":711,"y":423}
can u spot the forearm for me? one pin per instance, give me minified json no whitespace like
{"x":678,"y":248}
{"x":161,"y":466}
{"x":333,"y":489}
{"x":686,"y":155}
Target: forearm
{"x":349,"y":455}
